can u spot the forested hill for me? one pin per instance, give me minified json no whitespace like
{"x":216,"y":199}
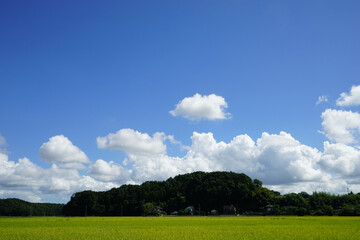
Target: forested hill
{"x":202,"y":193}
{"x":17,"y":207}
{"x":206,"y":191}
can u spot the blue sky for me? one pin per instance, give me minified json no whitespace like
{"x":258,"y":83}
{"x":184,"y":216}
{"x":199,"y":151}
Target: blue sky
{"x":87,"y":69}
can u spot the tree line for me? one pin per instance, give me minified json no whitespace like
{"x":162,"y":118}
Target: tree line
{"x":203,"y":193}
{"x":17,"y":207}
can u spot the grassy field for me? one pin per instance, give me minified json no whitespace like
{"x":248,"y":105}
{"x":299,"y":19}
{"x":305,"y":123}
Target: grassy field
{"x":54,"y":228}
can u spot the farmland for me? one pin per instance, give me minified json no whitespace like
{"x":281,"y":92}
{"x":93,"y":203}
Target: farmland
{"x":107,"y":228}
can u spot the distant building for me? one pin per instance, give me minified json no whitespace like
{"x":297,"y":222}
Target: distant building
{"x":159,"y":211}
{"x":190,"y":210}
{"x":229,"y":210}
{"x":269,"y":208}
{"x":214,"y":212}
{"x":174,"y":213}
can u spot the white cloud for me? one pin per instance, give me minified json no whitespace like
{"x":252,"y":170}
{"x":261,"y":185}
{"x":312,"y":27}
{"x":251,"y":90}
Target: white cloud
{"x":239,"y":154}
{"x":279,"y":160}
{"x":109,"y":172}
{"x":341,"y":159}
{"x":133,"y":142}
{"x":211,"y":107}
{"x":332,"y":185}
{"x":17,"y":174}
{"x":158,"y":167}
{"x":3,"y":158}
{"x":275,"y":159}
{"x":174,"y":141}
{"x":322,"y":99}
{"x":147,"y":156}
{"x":60,"y":150}
{"x":341,"y":126}
{"x":349,"y":99}
{"x":25,"y":180}
{"x":285,"y":160}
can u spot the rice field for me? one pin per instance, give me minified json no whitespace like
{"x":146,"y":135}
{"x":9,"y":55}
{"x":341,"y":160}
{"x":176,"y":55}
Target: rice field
{"x":106,"y":228}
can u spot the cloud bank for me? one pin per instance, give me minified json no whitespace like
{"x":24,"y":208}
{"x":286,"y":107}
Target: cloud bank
{"x":279,"y":160}
{"x":25,"y":180}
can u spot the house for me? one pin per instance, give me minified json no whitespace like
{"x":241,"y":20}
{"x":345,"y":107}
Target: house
{"x":269,"y":208}
{"x":159,"y":211}
{"x":190,"y":210}
{"x":214,"y":212}
{"x":229,"y":210}
{"x":174,"y":213}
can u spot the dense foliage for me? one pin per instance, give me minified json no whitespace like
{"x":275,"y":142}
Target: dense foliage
{"x":225,"y":192}
{"x":206,"y":191}
{"x":17,"y":207}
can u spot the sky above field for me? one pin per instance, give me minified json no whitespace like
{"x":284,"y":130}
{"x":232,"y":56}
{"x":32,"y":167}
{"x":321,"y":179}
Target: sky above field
{"x":96,"y":94}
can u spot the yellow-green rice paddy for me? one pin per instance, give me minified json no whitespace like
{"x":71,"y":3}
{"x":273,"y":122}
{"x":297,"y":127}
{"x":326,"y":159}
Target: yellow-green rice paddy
{"x":106,"y":228}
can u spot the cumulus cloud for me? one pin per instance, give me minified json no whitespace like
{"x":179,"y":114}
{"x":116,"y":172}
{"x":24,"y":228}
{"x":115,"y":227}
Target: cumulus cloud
{"x":3,"y":158}
{"x":341,"y":159}
{"x":330,"y":184}
{"x":211,"y":107}
{"x":285,"y":160}
{"x":349,"y":99}
{"x":26,"y":180}
{"x":276,"y":159}
{"x":60,"y":150}
{"x":279,"y":160}
{"x":240,"y":153}
{"x":158,"y":167}
{"x":322,"y":99}
{"x":109,"y":172}
{"x":341,"y":126}
{"x":133,"y":142}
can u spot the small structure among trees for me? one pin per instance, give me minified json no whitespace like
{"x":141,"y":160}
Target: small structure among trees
{"x":229,"y":210}
{"x":214,"y":212}
{"x":190,"y":210}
